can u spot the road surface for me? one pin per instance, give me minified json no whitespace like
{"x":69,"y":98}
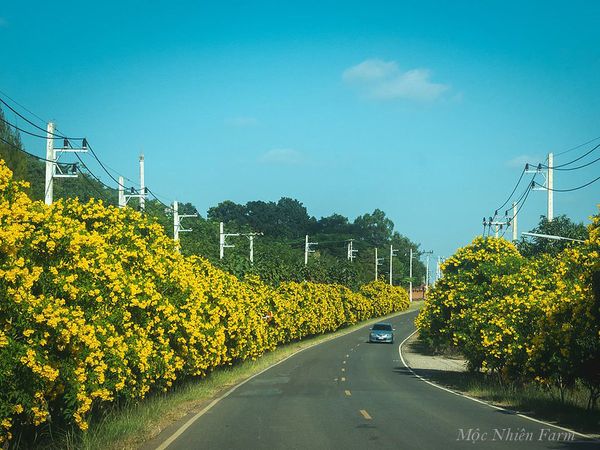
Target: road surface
{"x":348,"y":394}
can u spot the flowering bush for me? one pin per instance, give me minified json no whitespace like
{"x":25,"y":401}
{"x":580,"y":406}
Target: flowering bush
{"x":98,"y":306}
{"x":532,"y":319}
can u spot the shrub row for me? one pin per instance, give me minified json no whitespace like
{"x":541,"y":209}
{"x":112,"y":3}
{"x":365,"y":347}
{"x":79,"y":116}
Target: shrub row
{"x":97,"y":306}
{"x":524,"y":319}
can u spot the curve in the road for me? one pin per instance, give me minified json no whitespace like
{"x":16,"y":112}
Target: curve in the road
{"x":346,"y":393}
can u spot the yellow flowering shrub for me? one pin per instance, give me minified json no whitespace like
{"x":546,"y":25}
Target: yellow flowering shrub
{"x":97,"y":307}
{"x":532,"y":319}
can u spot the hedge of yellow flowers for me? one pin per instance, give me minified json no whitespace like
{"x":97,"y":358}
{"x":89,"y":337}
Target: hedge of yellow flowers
{"x":96,"y":306}
{"x":525,"y":319}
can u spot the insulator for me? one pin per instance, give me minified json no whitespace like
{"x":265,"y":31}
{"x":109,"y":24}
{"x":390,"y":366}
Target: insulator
{"x":527,"y":166}
{"x":132,"y":191}
{"x":65,"y":143}
{"x":84,"y":143}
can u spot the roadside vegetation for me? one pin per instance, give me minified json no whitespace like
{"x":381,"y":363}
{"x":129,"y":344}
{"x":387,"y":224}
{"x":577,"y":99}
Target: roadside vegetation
{"x":528,"y":326}
{"x":100,"y":309}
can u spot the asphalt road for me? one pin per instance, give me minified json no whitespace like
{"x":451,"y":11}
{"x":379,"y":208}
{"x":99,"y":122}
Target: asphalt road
{"x":348,"y":394}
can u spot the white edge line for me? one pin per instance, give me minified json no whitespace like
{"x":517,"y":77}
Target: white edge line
{"x":165,"y":444}
{"x":460,"y":394}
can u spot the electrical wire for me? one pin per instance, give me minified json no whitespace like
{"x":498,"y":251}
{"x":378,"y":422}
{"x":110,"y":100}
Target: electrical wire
{"x":37,"y":126}
{"x":16,"y":147}
{"x":571,"y":162}
{"x":170,"y":208}
{"x":513,"y":191}
{"x":25,"y":131}
{"x":578,"y":167}
{"x":577,"y":146}
{"x":23,"y":107}
{"x":571,"y":189}
{"x":102,"y":165}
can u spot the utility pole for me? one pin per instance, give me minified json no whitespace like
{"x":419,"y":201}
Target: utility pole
{"x":53,"y":169}
{"x":378,"y":262}
{"x":548,"y":183}
{"x":514,"y":223}
{"x":410,"y":290}
{"x":550,"y":187}
{"x":392,"y":254}
{"x":251,"y":237}
{"x":351,"y":250}
{"x":223,"y":240}
{"x":122,"y":201}
{"x":307,"y":249}
{"x":428,"y":253}
{"x":50,"y":161}
{"x":142,"y":185}
{"x":177,"y":228}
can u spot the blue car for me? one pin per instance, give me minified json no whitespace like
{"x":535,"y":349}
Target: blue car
{"x":382,"y":332}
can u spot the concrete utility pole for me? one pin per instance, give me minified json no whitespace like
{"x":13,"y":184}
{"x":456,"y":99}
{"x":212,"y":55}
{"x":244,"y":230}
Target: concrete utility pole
{"x":223,"y":240}
{"x":392,"y":254}
{"x":122,"y":201}
{"x":548,"y":183}
{"x":177,"y":228}
{"x":410,"y":290}
{"x":514,"y":223}
{"x":550,"y":186}
{"x":307,"y":249}
{"x":351,"y":250}
{"x":142,"y":185}
{"x":53,"y":169}
{"x":251,"y":237}
{"x":378,"y":262}
{"x":428,"y":253}
{"x":49,"y":186}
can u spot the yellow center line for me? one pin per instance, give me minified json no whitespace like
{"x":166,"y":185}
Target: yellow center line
{"x":343,"y":378}
{"x":343,"y":369}
{"x":347,"y":356}
{"x":365,"y":414}
{"x":344,"y":362}
{"x":348,"y":393}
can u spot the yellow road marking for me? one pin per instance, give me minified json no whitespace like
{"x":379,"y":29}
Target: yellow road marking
{"x":343,"y":369}
{"x":344,"y":362}
{"x":343,"y":378}
{"x":365,"y":414}
{"x":348,"y":393}
{"x":347,"y":356}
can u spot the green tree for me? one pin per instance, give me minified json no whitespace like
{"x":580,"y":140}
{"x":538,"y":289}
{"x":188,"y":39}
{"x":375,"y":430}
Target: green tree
{"x":559,"y":226}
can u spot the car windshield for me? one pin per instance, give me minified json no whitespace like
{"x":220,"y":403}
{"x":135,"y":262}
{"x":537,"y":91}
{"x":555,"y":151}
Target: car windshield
{"x":382,"y":327}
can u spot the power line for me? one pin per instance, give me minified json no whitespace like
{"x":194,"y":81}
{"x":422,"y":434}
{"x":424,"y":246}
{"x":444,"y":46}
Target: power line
{"x":571,"y":189}
{"x":158,"y":200}
{"x":16,"y":147}
{"x":37,"y":126}
{"x":513,"y":191}
{"x":25,"y":108}
{"x":575,"y":168}
{"x":571,"y":162}
{"x":577,"y":146}
{"x":25,"y":131}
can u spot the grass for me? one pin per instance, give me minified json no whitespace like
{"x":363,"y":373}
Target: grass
{"x":529,"y":399}
{"x":129,"y":425}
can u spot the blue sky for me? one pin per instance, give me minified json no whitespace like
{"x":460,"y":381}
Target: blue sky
{"x":426,"y":110}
